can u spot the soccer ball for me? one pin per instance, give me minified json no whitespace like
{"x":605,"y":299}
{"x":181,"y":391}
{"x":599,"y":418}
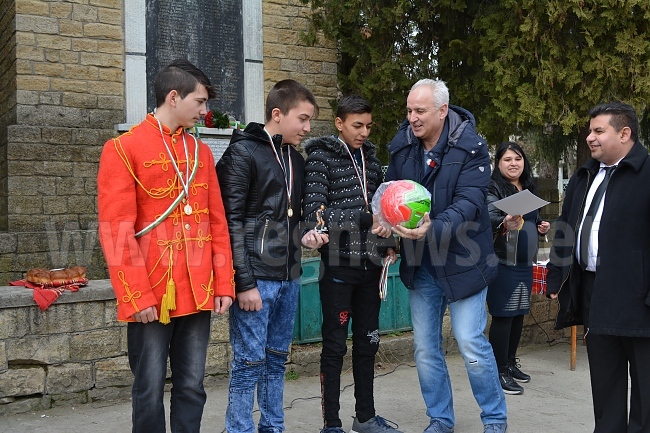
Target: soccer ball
{"x":404,"y":202}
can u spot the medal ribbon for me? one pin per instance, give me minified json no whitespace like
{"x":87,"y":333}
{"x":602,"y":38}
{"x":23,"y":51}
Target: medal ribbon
{"x":185,"y":184}
{"x":180,"y":197}
{"x":383,"y":279}
{"x":288,"y":181}
{"x":362,"y":181}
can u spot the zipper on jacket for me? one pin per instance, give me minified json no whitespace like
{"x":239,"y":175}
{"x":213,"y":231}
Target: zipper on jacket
{"x":433,"y":195}
{"x":517,"y":242}
{"x":266,"y":226}
{"x":290,"y":206}
{"x":286,"y":262}
{"x":475,"y":262}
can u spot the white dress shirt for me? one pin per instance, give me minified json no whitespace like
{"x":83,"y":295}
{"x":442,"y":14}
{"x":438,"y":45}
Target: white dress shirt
{"x":593,"y":239}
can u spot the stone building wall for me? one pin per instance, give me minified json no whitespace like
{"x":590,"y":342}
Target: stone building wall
{"x":69,"y":93}
{"x":7,"y":94}
{"x":63,"y":65}
{"x":285,"y":56}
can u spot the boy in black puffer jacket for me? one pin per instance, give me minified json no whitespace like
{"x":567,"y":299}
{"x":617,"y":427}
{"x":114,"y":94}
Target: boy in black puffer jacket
{"x":341,"y":175}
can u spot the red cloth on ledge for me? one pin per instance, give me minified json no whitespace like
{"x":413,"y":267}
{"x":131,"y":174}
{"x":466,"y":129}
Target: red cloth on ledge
{"x":45,"y":294}
{"x":539,"y":278}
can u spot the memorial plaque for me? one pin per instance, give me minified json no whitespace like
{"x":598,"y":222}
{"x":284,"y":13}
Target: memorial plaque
{"x":209,"y":34}
{"x":217,"y":145}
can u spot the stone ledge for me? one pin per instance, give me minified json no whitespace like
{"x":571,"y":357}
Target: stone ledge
{"x":305,"y":358}
{"x":18,"y":296}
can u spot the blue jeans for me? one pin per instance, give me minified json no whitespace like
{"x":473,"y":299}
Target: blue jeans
{"x":468,"y":320}
{"x":185,"y":342}
{"x":260,"y":342}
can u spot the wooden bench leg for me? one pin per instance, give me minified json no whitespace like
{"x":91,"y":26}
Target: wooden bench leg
{"x":574,"y":334}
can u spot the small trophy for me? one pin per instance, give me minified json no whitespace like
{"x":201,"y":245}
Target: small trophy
{"x":320,"y":220}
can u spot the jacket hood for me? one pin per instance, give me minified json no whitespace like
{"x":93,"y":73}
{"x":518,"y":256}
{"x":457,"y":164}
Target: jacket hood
{"x":458,"y":119}
{"x":254,"y":131}
{"x":331,"y":143}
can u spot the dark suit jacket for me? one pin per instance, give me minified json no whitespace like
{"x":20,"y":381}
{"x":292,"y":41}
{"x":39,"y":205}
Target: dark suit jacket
{"x":620,"y":302}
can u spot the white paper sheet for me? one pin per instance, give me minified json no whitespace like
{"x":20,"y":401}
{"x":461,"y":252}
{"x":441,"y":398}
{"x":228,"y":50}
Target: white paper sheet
{"x":520,"y":203}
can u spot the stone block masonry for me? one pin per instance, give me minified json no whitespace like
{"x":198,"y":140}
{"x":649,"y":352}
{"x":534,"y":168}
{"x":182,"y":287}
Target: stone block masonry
{"x":75,"y":351}
{"x":7,"y":93}
{"x":62,"y":71}
{"x":286,"y":56}
{"x":62,"y":75}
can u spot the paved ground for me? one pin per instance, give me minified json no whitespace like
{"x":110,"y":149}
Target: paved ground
{"x":556,"y":400}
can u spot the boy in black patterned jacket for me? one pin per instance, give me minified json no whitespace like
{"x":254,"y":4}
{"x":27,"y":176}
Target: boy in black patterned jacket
{"x":341,"y":175}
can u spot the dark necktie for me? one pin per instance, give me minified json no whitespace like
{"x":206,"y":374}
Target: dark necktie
{"x":588,"y":222}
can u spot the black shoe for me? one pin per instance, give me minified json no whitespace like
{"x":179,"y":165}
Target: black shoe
{"x":508,"y":383}
{"x":515,"y":372}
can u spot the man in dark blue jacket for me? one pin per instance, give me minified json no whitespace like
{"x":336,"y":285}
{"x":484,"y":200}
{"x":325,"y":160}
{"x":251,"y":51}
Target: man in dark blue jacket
{"x":599,"y":267}
{"x":449,"y":259}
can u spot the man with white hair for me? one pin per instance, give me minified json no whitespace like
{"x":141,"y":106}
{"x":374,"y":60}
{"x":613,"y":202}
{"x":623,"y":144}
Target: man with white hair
{"x":449,"y":259}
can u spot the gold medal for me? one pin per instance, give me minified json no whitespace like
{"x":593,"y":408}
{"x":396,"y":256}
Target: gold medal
{"x":290,"y":212}
{"x":188,"y":209}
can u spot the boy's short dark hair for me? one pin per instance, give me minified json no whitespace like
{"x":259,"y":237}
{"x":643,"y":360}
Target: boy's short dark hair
{"x":352,"y":104}
{"x":622,"y":115}
{"x":182,"y":76}
{"x":287,"y":94}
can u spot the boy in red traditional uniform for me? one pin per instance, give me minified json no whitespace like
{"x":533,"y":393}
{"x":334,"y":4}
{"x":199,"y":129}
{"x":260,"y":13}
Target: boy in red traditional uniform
{"x":164,"y":234}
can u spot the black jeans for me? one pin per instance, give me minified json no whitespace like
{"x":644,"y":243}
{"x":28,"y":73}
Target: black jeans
{"x":349,"y":293}
{"x":185,"y":342}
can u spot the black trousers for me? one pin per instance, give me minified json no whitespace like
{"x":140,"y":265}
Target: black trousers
{"x":505,"y":333}
{"x":610,"y":359}
{"x":184,"y":342}
{"x":349,"y":293}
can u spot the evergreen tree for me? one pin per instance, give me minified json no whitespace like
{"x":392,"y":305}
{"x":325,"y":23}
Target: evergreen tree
{"x":523,"y":67}
{"x":551,"y":61}
{"x":378,"y":57}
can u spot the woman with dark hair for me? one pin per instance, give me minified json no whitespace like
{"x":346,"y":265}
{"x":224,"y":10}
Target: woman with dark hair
{"x":515,"y":244}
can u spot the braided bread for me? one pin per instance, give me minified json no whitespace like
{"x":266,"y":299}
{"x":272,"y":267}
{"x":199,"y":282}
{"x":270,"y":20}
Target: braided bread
{"x":44,"y":276}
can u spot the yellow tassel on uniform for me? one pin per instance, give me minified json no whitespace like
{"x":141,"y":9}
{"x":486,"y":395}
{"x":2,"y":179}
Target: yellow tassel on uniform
{"x":168,"y":302}
{"x":164,"y":311}
{"x":171,"y":294}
